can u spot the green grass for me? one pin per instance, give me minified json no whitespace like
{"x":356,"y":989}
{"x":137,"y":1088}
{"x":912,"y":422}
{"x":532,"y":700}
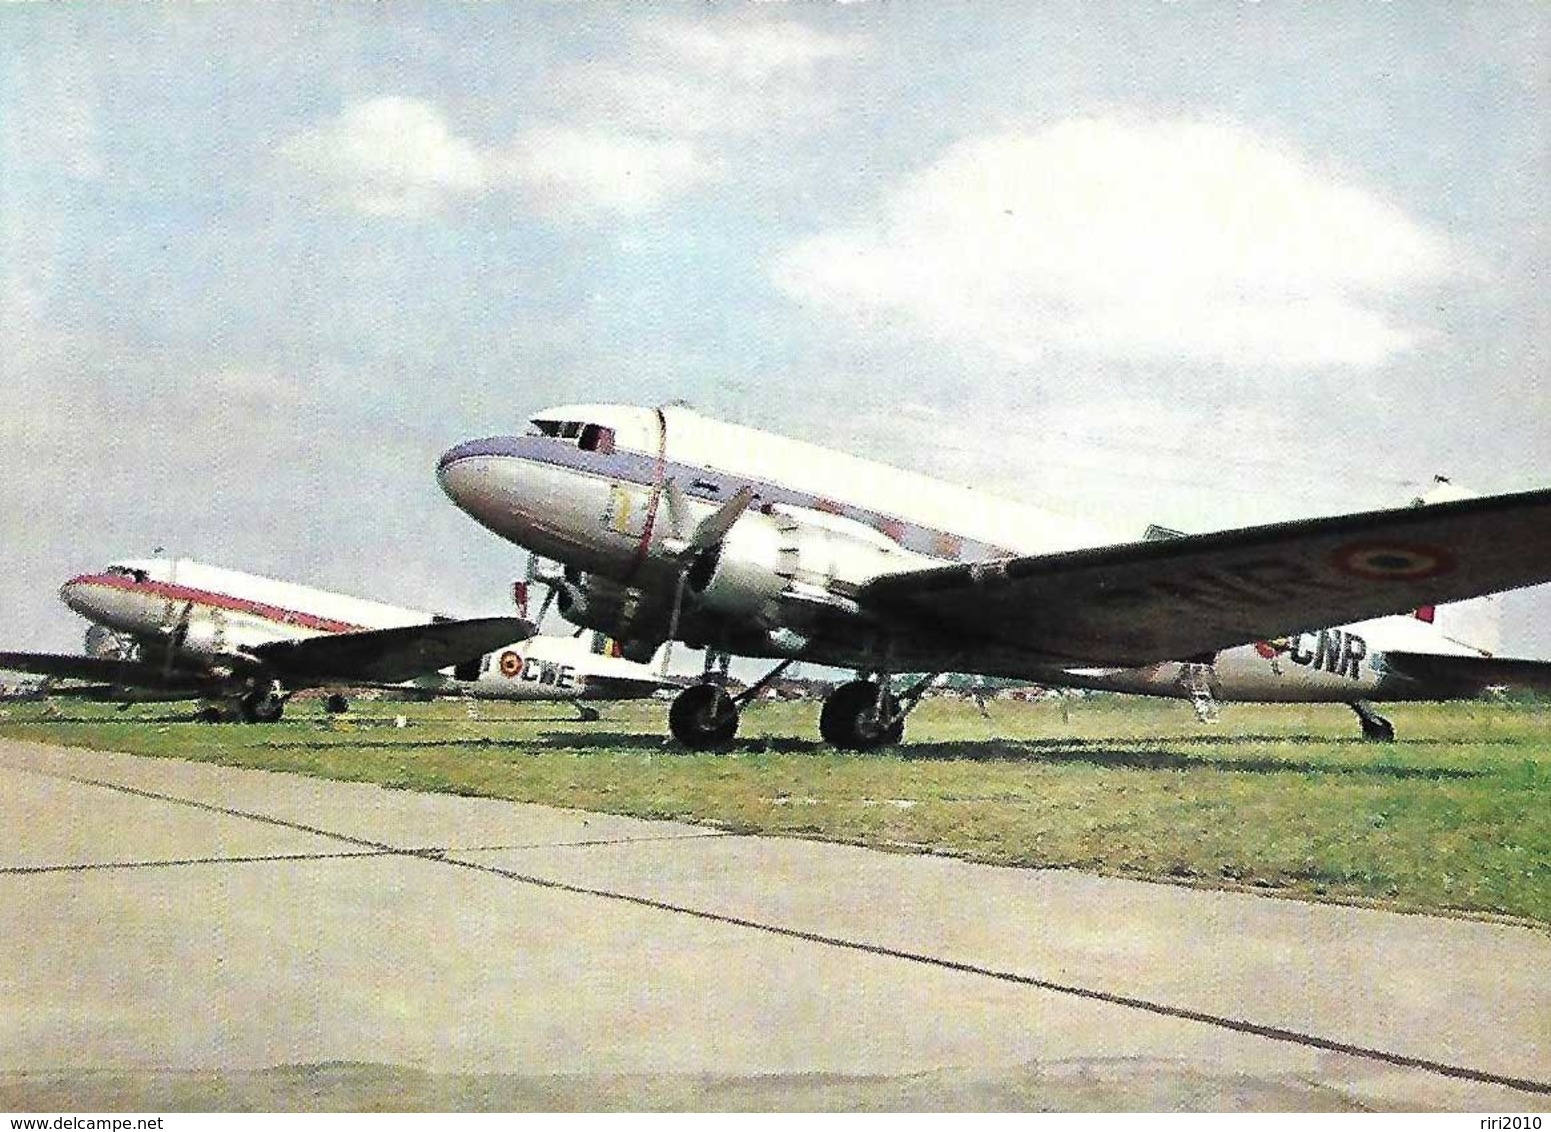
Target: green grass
{"x":1455,"y":817}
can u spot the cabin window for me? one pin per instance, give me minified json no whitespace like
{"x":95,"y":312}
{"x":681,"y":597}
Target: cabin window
{"x":596,"y":438}
{"x":547,"y":428}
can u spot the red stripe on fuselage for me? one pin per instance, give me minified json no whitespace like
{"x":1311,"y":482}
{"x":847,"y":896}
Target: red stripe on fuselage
{"x":168,"y":591}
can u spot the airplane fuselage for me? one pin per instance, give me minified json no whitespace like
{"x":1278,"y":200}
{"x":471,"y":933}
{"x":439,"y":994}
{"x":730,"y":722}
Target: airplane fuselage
{"x":593,"y":485}
{"x":200,"y":612}
{"x":199,"y":618}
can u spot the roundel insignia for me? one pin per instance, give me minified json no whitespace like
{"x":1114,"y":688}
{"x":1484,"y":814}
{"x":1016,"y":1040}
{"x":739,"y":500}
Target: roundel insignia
{"x":1393,"y":561}
{"x":511,"y":664}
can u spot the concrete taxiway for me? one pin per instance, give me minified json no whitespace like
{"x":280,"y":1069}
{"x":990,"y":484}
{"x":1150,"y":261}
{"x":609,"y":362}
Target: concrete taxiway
{"x":186,"y":936}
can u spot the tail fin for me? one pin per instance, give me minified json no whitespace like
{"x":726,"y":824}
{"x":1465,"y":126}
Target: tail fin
{"x":1477,"y":623}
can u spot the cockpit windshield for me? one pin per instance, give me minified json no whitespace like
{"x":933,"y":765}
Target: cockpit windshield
{"x":127,"y":572}
{"x":587,"y":437}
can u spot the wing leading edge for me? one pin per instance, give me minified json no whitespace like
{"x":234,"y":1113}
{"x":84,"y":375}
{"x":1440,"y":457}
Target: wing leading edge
{"x":123,"y":673}
{"x":1148,"y":601}
{"x":390,"y":655}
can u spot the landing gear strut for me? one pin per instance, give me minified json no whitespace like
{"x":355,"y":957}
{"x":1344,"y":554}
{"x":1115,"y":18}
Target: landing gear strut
{"x":704,"y":716}
{"x":1376,"y":728}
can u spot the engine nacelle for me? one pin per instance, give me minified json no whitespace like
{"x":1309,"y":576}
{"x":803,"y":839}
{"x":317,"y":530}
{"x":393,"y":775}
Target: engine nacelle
{"x":202,"y":638}
{"x":105,"y":644}
{"x":791,"y":551}
{"x":623,"y":612}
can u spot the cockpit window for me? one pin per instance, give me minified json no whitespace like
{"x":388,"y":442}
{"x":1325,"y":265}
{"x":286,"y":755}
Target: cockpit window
{"x":127,"y":572}
{"x":587,"y":437}
{"x":596,"y":438}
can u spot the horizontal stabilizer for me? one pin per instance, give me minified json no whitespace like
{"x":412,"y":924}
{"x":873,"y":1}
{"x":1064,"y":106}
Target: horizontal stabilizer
{"x":389,"y":655}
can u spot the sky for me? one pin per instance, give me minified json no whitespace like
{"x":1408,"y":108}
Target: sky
{"x":1205,"y":264}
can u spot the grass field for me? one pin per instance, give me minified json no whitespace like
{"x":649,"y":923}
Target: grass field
{"x":1454,"y":817}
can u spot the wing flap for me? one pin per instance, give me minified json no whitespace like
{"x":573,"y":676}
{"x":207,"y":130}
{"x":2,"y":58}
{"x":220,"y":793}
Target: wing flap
{"x":1471,"y":675}
{"x":1147,"y":601}
{"x":390,"y":655}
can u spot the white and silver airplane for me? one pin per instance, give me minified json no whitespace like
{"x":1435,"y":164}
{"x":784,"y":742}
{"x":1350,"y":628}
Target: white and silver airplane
{"x":675,"y":526}
{"x":173,"y":629}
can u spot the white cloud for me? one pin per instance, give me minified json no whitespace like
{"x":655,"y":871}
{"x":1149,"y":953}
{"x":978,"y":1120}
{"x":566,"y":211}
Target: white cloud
{"x":749,"y":53}
{"x":398,"y":157}
{"x":707,"y":80}
{"x":628,"y":137}
{"x":390,"y":157}
{"x":1133,"y":240}
{"x":564,"y":169}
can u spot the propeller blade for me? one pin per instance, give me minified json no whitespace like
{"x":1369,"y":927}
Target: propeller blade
{"x":714,"y":527}
{"x":673,"y":618}
{"x":678,"y":510}
{"x":176,"y":638}
{"x":549,"y":599}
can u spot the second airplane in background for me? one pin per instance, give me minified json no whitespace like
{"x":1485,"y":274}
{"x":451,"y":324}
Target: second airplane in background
{"x":172,"y":629}
{"x":674,"y":526}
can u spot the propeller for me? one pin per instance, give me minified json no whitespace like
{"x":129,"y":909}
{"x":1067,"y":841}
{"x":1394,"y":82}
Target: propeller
{"x":176,"y":638}
{"x":551,"y":580}
{"x":688,"y":545}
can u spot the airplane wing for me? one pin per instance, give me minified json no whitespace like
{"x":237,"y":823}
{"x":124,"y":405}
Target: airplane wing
{"x":124,"y":673}
{"x":1170,"y":600}
{"x":1470,"y":675}
{"x":389,"y":655}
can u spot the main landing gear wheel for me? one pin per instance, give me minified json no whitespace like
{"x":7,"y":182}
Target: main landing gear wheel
{"x":261,"y":707}
{"x":336,"y":704}
{"x":1376,"y":729}
{"x":853,"y":719}
{"x":703,"y":716}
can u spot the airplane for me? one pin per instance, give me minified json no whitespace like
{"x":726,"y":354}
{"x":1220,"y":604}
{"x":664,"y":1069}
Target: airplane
{"x":172,"y":629}
{"x":674,"y":526}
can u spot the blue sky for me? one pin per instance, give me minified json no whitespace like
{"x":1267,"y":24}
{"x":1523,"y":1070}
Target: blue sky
{"x":1198,"y":263}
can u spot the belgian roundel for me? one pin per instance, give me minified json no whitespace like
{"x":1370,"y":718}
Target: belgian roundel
{"x":511,"y":664}
{"x":1393,"y":562}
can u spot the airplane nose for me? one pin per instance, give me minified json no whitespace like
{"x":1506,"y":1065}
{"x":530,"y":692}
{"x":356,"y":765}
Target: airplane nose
{"x":457,"y":470}
{"x":73,"y":593}
{"x":478,"y":475}
{"x":500,"y":482}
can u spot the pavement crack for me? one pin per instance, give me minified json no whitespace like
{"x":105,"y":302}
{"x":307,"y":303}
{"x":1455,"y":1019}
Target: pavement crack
{"x":1092,"y":994}
{"x":178,"y":862}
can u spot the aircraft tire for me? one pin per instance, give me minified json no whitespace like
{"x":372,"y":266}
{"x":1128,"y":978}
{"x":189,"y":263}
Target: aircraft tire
{"x":336,"y":704}
{"x":261,"y":707}
{"x":850,"y":718}
{"x":1378,"y":730}
{"x":703,"y":717}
